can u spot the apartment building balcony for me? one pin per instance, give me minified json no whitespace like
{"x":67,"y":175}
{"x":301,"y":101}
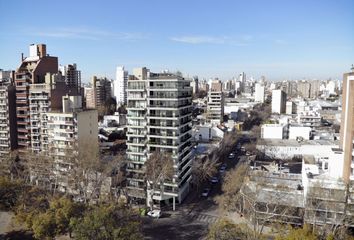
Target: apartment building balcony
{"x":23,"y":136}
{"x":4,"y":144}
{"x":22,"y":130}
{"x":132,"y":133}
{"x":163,"y":144}
{"x":4,"y":130}
{"x":135,"y":152}
{"x":22,"y":101}
{"x":4,"y":136}
{"x":135,"y":170}
{"x":184,"y":147}
{"x":137,"y":142}
{"x":19,"y":122}
{"x":22,"y":108}
{"x":4,"y":103}
{"x":134,"y":161}
{"x":136,"y":116}
{"x":22,"y":87}
{"x":135,"y":107}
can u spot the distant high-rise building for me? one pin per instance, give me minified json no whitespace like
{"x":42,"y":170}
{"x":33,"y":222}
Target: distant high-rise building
{"x":195,"y":84}
{"x":215,"y":106}
{"x":290,"y":108}
{"x":278,"y":101}
{"x":303,"y":88}
{"x":72,"y":78}
{"x":101,"y":91}
{"x":315,"y":88}
{"x":242,"y":80}
{"x":120,"y":86}
{"x":259,"y":93}
{"x":8,"y":128}
{"x":31,"y":71}
{"x":347,"y":126}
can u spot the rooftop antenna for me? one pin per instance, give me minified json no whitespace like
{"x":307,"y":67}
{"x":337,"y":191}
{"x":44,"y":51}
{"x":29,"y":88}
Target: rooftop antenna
{"x":352,"y":68}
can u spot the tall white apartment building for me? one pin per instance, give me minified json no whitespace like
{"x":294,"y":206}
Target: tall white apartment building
{"x":259,"y":93}
{"x":120,"y":86}
{"x":159,"y":119}
{"x":8,"y":138}
{"x":215,"y":106}
{"x":278,"y":101}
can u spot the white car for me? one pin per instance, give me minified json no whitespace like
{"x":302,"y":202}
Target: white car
{"x":154,"y":213}
{"x":232,"y":155}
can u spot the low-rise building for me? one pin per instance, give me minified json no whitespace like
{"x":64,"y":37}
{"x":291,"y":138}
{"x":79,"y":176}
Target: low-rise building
{"x":299,"y":132}
{"x":274,"y":131}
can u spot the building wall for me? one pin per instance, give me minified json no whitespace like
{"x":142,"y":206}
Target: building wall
{"x":8,"y":128}
{"x":273,"y":131}
{"x":347,"y":125}
{"x":278,"y":101}
{"x":120,"y":86}
{"x":259,"y":93}
{"x":303,"y":132}
{"x":87,"y":128}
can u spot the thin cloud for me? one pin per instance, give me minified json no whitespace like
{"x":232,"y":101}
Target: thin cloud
{"x":86,"y":33}
{"x":238,"y":41}
{"x":281,"y":42}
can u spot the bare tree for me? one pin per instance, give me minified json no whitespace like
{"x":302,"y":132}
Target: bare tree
{"x":158,"y":169}
{"x":327,"y":209}
{"x":233,"y":181}
{"x":204,"y":168}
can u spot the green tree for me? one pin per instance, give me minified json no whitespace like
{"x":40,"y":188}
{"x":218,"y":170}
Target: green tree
{"x":10,"y":192}
{"x":64,"y":210}
{"x":304,"y":233}
{"x":32,"y":203}
{"x":107,"y":222}
{"x":44,"y":226}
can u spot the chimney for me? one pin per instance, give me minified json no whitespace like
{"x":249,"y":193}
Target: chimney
{"x":42,"y":50}
{"x":21,"y":57}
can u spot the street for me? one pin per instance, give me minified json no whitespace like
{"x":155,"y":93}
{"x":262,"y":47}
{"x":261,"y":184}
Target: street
{"x":193,"y":217}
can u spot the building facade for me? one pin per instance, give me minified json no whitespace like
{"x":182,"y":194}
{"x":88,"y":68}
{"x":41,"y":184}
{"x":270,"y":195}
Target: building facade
{"x":159,"y":119}
{"x":215,"y":107}
{"x":120,"y":86}
{"x":259,"y":93}
{"x":31,"y":71}
{"x":8,"y":127}
{"x":278,"y":101}
{"x":347,"y":126}
{"x":72,"y":78}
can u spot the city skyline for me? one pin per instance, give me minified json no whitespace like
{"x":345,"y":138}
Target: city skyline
{"x":277,"y":39}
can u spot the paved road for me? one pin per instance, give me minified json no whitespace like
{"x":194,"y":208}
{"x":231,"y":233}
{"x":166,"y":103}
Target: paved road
{"x":192,"y":218}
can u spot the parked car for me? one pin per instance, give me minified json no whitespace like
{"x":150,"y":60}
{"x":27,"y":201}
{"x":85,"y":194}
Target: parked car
{"x":248,"y":153}
{"x":154,"y":213}
{"x":206,"y":192}
{"x":222,"y":168}
{"x":214,"y":180}
{"x":231,"y":155}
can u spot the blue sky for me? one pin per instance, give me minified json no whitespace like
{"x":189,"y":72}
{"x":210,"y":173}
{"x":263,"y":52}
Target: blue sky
{"x":280,"y":39}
